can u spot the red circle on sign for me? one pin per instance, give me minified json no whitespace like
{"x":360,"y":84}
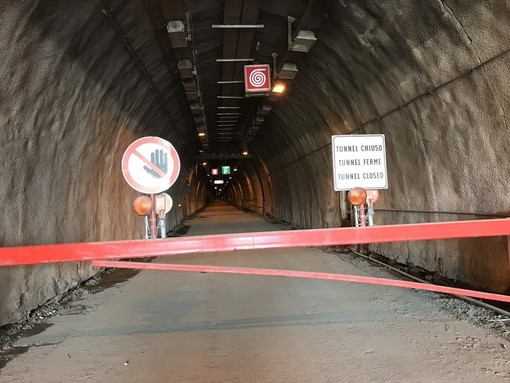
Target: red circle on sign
{"x":139,"y":180}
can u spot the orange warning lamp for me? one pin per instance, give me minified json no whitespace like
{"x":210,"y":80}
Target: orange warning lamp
{"x":357,"y":196}
{"x":142,"y":205}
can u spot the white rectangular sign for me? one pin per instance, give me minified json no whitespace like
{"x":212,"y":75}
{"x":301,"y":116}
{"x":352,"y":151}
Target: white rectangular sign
{"x":359,"y":161}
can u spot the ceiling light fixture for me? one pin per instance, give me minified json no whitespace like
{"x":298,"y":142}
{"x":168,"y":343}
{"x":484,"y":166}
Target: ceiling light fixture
{"x":279,"y":88}
{"x":177,"y":33}
{"x":288,"y":71}
{"x":303,"y":41}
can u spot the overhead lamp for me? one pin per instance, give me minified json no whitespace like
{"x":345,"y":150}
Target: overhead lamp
{"x":204,"y":163}
{"x":177,"y":33}
{"x":192,"y":96}
{"x":303,"y":41}
{"x":201,"y":134}
{"x":189,"y":85}
{"x":264,"y":110}
{"x":196,"y":108}
{"x":244,"y":152}
{"x":288,"y":71}
{"x":279,"y":88}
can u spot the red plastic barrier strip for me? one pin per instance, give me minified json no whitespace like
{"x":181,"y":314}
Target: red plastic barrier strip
{"x":75,"y":252}
{"x":303,"y":274}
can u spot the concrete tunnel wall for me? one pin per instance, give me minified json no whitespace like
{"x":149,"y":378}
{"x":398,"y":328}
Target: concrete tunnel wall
{"x":74,"y":95}
{"x":433,"y":77}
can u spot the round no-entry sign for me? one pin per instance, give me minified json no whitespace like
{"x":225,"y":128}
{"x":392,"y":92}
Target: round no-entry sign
{"x":150,"y":165}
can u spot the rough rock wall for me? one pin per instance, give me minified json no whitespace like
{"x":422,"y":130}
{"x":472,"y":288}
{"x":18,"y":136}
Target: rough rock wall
{"x":73,"y":96}
{"x":426,"y":74}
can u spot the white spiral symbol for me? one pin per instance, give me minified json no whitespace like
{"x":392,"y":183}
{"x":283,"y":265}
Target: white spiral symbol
{"x":258,"y":78}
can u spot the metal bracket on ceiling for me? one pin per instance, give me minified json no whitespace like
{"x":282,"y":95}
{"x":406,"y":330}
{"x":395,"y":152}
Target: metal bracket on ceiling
{"x":303,"y":41}
{"x":290,"y":20}
{"x":274,"y":56}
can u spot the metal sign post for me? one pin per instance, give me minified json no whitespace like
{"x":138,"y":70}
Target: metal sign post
{"x":163,"y":205}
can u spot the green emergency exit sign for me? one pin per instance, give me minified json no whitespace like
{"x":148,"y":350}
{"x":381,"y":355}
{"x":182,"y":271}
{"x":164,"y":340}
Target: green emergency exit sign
{"x":225,"y":170}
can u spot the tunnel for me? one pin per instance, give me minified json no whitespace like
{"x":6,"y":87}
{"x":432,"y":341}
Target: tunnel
{"x":82,"y":80}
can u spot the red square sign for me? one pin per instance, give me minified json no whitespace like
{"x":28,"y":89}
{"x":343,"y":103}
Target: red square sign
{"x":257,"y":78}
{"x":214,"y":172}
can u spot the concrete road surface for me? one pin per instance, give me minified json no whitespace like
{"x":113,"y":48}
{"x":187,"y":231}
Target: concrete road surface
{"x":194,"y":327}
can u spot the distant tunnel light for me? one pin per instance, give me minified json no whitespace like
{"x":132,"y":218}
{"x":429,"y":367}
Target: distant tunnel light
{"x":201,"y":134}
{"x":244,"y":153}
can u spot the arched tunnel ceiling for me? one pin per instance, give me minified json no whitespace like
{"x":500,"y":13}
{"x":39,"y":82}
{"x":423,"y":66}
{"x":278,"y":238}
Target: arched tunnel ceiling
{"x":196,"y":36}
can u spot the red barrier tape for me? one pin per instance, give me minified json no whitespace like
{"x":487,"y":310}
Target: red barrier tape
{"x":304,"y":274}
{"x":75,"y":252}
